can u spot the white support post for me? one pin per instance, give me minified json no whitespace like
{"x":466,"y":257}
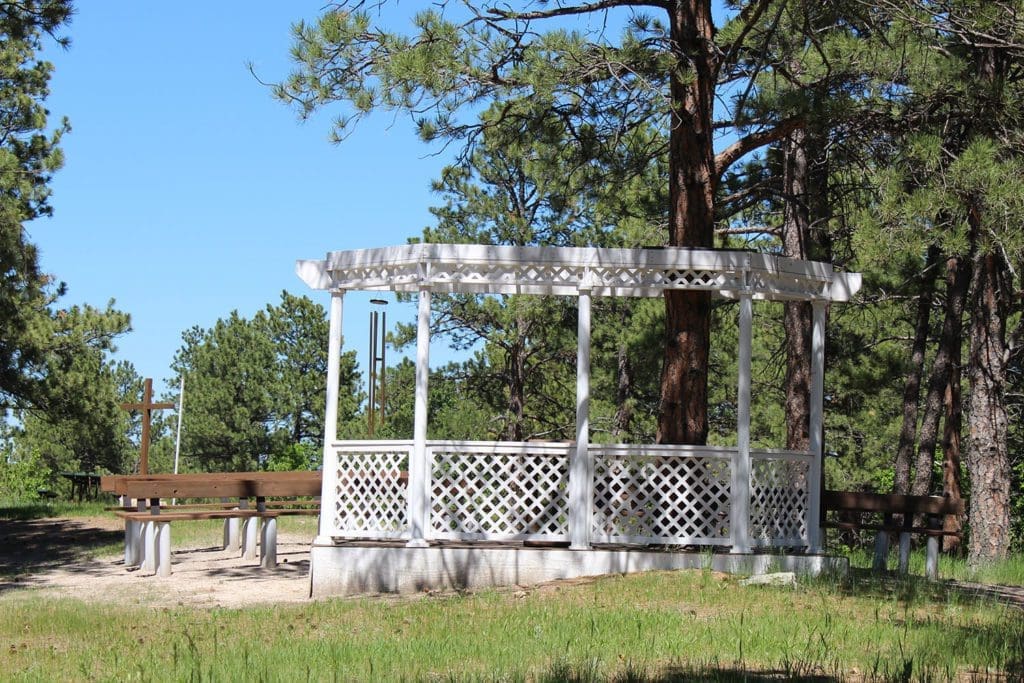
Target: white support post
{"x":903,"y":563}
{"x":163,"y":548}
{"x":268,"y":543}
{"x":931,"y":563}
{"x":581,"y":474}
{"x":149,"y":549}
{"x":419,"y":468}
{"x":129,"y":534}
{"x":138,"y":538}
{"x":329,"y":487}
{"x":739,"y":521}
{"x":817,"y":427}
{"x":231,"y":541}
{"x":250,"y":533}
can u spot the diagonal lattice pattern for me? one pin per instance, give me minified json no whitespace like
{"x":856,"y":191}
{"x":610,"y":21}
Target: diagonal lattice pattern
{"x":675,"y":500}
{"x":371,"y":492}
{"x":778,"y":501}
{"x":499,"y":495}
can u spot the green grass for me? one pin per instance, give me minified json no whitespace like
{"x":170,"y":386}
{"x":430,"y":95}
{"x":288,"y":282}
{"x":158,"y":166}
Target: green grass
{"x":654,"y":627}
{"x":52,"y":508}
{"x":1009,"y":572}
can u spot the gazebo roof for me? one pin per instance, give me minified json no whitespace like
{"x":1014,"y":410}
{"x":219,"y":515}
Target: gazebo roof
{"x":474,"y":268}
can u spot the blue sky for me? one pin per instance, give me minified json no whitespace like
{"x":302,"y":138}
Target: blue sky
{"x":189,"y":192}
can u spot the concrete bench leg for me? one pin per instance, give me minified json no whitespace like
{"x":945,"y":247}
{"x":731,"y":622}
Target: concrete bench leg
{"x":138,"y":543}
{"x":931,"y":563}
{"x":163,"y":547}
{"x":881,"y":551}
{"x":232,"y":539}
{"x":131,"y":545}
{"x":149,"y":549}
{"x":904,"y":555}
{"x":268,"y":544}
{"x":249,"y":533}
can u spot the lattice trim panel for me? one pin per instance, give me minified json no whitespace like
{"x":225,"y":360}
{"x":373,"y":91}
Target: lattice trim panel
{"x":778,"y":501}
{"x":663,"y":499}
{"x":371,"y":493}
{"x":499,"y":495}
{"x":564,"y":270}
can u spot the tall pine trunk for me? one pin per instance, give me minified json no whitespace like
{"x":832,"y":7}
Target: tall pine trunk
{"x":806,"y":212}
{"x":958,"y":278}
{"x":987,"y":453}
{"x":912,"y":384}
{"x":797,"y":316}
{"x":684,"y":378}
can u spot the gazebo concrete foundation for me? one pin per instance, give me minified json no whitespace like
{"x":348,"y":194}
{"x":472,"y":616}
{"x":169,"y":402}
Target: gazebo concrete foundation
{"x":360,"y":567}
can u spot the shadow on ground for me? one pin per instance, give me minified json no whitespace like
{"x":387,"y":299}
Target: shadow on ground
{"x":34,"y":545}
{"x":866,"y":583}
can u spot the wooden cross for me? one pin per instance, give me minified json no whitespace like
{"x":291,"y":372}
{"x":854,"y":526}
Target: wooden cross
{"x":147,"y":406}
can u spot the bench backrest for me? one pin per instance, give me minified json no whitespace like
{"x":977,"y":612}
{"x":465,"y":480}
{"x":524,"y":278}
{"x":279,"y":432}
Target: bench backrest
{"x":216,"y":485}
{"x":888,"y":503}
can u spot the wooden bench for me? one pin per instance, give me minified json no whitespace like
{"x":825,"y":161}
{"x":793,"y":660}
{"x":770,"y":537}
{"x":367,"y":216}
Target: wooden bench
{"x":933,"y":508}
{"x":147,"y":523}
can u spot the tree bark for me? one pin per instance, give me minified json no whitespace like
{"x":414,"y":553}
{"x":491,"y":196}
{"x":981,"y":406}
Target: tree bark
{"x":623,"y":393}
{"x":797,"y":315}
{"x":958,"y":277}
{"x":684,"y":377}
{"x":912,"y":397}
{"x":804,"y":179}
{"x":923,"y":469}
{"x":987,"y":455}
{"x":515,"y":428}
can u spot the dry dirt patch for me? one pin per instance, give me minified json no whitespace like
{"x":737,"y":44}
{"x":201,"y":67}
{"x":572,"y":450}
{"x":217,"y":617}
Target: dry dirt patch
{"x":51,"y":557}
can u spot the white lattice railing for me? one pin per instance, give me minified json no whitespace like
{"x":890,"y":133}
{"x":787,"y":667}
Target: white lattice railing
{"x":499,"y":491}
{"x":371,"y":489}
{"x":671,"y":495}
{"x":677,"y":495}
{"x":779,"y":498}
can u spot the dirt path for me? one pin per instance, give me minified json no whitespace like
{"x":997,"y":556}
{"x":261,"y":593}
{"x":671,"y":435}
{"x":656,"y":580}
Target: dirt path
{"x":53,"y":557}
{"x":57,"y":557}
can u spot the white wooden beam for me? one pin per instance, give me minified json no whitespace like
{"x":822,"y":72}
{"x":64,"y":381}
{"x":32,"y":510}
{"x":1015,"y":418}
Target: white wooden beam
{"x":329,"y":487}
{"x":739,"y":522}
{"x":419,"y":468}
{"x":817,"y":426}
{"x":581,"y":476}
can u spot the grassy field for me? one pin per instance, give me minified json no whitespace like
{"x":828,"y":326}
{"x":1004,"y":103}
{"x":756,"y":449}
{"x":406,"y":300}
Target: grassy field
{"x":661,"y":626}
{"x":669,"y":626}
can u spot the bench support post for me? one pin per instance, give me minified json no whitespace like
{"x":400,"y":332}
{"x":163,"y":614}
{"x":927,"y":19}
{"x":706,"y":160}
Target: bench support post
{"x":231,"y":539}
{"x":129,"y":536}
{"x":163,"y":548}
{"x":881,"y":561}
{"x":149,"y":546}
{"x":931,"y":564}
{"x":250,"y":529}
{"x":268,"y":543}
{"x":904,"y":562}
{"x":881,"y":551}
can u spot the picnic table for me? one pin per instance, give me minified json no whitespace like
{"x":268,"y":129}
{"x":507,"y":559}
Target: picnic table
{"x":149,"y":505}
{"x":84,"y":485}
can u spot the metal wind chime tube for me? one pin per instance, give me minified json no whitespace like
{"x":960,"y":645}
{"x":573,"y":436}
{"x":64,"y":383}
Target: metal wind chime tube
{"x":378,"y":395}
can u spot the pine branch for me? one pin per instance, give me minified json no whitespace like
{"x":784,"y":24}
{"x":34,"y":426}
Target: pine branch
{"x":748,"y":143}
{"x":577,"y":10}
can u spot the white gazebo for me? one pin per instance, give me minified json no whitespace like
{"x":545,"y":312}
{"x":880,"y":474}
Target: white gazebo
{"x":421,"y":514}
